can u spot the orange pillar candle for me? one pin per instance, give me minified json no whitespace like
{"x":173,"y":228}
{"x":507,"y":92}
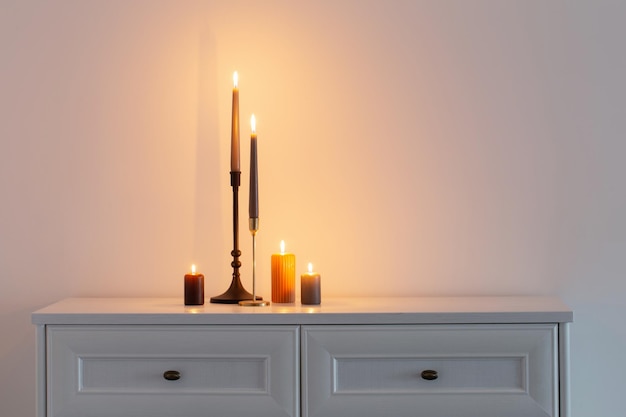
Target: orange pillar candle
{"x":194,"y":288}
{"x":310,"y":287}
{"x":283,"y":276}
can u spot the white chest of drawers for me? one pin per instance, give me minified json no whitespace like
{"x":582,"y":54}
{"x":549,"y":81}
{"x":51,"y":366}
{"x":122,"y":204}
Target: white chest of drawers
{"x":401,"y":357}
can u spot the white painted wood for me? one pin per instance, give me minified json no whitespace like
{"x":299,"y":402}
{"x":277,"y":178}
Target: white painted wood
{"x":564,"y":368}
{"x":41,"y":370}
{"x":96,"y":357}
{"x":117,"y":371}
{"x":484,"y":370}
{"x":427,"y":310}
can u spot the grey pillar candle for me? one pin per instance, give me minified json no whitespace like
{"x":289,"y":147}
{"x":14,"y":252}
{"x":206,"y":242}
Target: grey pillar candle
{"x":254,"y":174}
{"x":310,"y":287}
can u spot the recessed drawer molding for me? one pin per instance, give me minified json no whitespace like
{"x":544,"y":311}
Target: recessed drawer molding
{"x":197,"y":375}
{"x":454,"y":374}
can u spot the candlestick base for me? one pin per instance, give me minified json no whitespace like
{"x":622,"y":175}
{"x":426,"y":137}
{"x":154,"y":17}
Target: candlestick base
{"x":235,"y":293}
{"x":254,"y":303}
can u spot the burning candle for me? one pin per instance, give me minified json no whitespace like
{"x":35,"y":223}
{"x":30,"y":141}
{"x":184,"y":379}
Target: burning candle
{"x":254,"y":181}
{"x":310,"y":287}
{"x":283,"y":276}
{"x":234,"y":132}
{"x":194,"y":288}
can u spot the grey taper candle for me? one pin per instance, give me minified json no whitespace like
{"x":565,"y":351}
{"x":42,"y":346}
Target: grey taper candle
{"x":254,"y":174}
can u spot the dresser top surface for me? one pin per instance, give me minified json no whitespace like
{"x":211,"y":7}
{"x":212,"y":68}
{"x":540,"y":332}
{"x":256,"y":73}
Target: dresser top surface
{"x":379,"y":310}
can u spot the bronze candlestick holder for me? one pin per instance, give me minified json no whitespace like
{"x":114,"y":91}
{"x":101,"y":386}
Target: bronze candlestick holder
{"x":236,"y":292}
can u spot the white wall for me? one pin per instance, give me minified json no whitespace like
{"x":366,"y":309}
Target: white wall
{"x":407,"y":147}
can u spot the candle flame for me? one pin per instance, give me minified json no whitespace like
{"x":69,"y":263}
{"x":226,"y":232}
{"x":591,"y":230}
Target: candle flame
{"x":282,"y":246}
{"x":235,"y":79}
{"x":193,"y":269}
{"x":253,"y":123}
{"x":310,"y":268}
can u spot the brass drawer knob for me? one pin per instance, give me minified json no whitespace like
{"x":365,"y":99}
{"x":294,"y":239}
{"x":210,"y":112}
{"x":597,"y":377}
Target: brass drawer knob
{"x":171,"y":375}
{"x":429,"y":375}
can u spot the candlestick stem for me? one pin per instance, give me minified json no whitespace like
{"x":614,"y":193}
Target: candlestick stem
{"x":236,"y":292}
{"x":254,"y":265}
{"x":255,"y":301}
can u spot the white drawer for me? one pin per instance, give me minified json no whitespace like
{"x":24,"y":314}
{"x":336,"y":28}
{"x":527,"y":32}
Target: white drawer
{"x":222,"y":371}
{"x":480,"y":370}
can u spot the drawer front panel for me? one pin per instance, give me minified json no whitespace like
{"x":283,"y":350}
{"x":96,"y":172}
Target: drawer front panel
{"x":477,"y":370}
{"x":219,"y":371}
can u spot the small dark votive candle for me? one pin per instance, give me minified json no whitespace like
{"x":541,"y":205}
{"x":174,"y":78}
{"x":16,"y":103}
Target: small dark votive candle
{"x":310,"y":287}
{"x":194,"y":288}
